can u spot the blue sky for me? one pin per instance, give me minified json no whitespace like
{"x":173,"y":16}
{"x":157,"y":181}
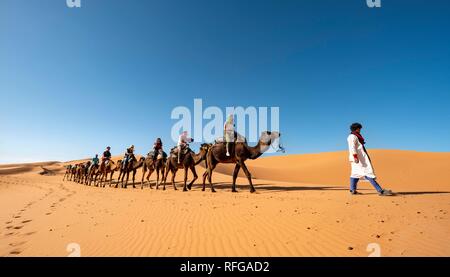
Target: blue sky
{"x":75,"y":80}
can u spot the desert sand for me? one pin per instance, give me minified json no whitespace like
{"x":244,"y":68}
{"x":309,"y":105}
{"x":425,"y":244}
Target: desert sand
{"x":302,"y":207}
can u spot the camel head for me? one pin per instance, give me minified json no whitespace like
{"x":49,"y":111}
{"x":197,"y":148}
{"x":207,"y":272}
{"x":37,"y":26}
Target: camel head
{"x":267,"y":138}
{"x":204,"y":147}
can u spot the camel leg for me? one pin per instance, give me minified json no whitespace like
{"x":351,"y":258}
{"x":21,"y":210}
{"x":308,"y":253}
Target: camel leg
{"x":157,"y":174}
{"x":163,"y":171}
{"x":134,"y":175}
{"x":185,"y":178}
{"x":163,"y":180}
{"x":148,"y":177}
{"x":144,"y":170}
{"x":205,"y":175}
{"x":100,"y":180}
{"x":124,"y":185}
{"x":123,"y":177}
{"x":96,"y":182}
{"x":104,"y":179}
{"x":110,"y":179}
{"x":174,"y":171}
{"x":235,"y":174}
{"x":165,"y":175}
{"x":211,"y":167}
{"x":249,"y":176}
{"x":126,"y":180}
{"x":118,"y":179}
{"x":192,"y":167}
{"x":95,"y":179}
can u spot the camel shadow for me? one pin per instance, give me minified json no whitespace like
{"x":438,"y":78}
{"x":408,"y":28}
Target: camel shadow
{"x":268,"y":187}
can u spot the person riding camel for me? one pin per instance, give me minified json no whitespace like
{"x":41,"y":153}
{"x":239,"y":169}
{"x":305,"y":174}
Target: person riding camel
{"x":183,"y":143}
{"x":94,"y":162}
{"x":106,"y":156}
{"x":228,"y":130}
{"x":157,"y":148}
{"x":129,"y":154}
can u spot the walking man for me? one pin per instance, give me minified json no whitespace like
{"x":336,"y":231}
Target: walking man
{"x":360,"y":162}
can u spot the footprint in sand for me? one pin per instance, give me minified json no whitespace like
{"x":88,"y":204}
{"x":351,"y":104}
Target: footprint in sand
{"x":15,"y":244}
{"x":26,"y":221}
{"x":18,"y":227}
{"x":15,"y":252}
{"x":29,"y":233}
{"x":9,"y":227}
{"x":9,"y":234}
{"x":8,"y":222}
{"x":17,"y":216}
{"x":48,"y":213}
{"x":62,"y":199}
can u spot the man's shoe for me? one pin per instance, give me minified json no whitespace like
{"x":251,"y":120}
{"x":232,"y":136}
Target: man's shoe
{"x":354,"y":192}
{"x":385,"y":192}
{"x":228,"y":154}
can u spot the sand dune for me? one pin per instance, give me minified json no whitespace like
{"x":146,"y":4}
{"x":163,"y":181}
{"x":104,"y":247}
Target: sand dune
{"x":8,"y":169}
{"x":302,"y":208}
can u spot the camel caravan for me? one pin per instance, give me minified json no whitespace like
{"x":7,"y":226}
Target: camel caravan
{"x":232,"y":149}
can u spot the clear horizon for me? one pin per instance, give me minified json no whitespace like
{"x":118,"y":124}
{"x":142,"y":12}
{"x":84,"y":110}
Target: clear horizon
{"x":73,"y":81}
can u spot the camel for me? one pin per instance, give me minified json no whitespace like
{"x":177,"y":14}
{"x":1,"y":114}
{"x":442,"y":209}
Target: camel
{"x":105,"y":169}
{"x":188,"y":161}
{"x":239,"y":154}
{"x":73,"y":172}
{"x":68,"y":172}
{"x":78,"y":173}
{"x":132,"y":166}
{"x":83,"y":172}
{"x":93,"y":173}
{"x":151,"y":165}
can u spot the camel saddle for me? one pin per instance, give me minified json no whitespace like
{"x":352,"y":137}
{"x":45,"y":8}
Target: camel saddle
{"x":184,"y":151}
{"x":151,"y":154}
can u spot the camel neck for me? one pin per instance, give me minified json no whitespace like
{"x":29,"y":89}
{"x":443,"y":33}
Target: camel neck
{"x":257,"y":150}
{"x":198,"y":158}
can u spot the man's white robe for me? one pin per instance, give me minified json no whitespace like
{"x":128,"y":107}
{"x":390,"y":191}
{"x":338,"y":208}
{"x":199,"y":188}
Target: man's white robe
{"x":364,"y":167}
